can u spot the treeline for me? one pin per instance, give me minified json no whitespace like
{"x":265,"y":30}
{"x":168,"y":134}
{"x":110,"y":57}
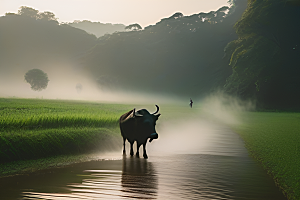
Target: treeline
{"x":180,"y":55}
{"x":97,"y":28}
{"x":32,"y":39}
{"x":250,"y":49}
{"x":265,"y":58}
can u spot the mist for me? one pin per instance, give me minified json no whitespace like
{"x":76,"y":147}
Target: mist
{"x":200,"y":129}
{"x":62,"y":85}
{"x":135,"y":66}
{"x":146,"y":67}
{"x":203,"y":129}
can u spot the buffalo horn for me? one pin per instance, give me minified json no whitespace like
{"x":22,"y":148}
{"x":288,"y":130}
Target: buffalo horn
{"x":157,"y":109}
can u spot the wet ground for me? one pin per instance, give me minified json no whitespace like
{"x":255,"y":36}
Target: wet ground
{"x":192,"y":161}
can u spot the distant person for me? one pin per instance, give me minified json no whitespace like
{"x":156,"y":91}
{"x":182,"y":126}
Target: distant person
{"x":191,"y":102}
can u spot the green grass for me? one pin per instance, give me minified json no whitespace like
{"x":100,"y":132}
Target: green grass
{"x":274,"y":140}
{"x":34,"y":128}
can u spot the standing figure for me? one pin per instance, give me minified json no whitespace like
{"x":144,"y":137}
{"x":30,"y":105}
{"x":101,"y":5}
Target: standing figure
{"x":191,"y":102}
{"x":138,"y":126}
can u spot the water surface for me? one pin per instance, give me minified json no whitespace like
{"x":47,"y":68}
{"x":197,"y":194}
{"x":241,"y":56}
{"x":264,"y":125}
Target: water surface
{"x":194,"y":161}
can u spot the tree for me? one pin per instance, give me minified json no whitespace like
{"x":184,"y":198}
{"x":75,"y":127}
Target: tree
{"x":134,"y":27}
{"x":10,"y":14}
{"x":48,"y":16}
{"x":176,"y":15}
{"x":28,"y":12}
{"x":37,"y":79}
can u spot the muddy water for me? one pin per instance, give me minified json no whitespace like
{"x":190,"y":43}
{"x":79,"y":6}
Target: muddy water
{"x":192,"y":161}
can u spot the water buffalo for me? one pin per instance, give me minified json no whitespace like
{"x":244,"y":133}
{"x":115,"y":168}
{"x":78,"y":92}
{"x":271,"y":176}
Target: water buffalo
{"x":138,"y":126}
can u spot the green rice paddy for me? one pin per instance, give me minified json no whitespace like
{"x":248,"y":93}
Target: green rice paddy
{"x":273,"y":139}
{"x":35,"y":128}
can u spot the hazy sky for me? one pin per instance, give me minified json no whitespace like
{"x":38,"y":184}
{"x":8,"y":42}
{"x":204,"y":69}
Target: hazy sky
{"x":144,"y":12}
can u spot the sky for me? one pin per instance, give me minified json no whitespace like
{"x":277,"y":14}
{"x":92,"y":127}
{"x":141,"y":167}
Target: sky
{"x":144,"y":12}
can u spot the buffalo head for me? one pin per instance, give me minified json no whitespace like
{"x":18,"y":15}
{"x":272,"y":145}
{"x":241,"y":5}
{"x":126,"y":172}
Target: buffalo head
{"x":146,"y":122}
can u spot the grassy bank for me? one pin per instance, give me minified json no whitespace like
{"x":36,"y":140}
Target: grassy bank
{"x":274,"y":140}
{"x":36,"y":128}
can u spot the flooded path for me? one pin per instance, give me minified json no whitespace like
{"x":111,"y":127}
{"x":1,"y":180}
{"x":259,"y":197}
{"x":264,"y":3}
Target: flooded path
{"x":194,"y":161}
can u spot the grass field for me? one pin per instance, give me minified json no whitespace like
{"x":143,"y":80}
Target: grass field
{"x":37,"y":134}
{"x":274,"y":140}
{"x":35,"y":128}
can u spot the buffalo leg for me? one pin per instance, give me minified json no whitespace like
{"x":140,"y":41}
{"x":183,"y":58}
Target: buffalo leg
{"x":131,"y":148}
{"x":138,"y":149}
{"x":124,"y":151}
{"x":144,"y":148}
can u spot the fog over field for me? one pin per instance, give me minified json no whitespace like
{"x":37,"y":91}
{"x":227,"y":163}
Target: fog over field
{"x":198,"y":130}
{"x":62,"y":85}
{"x":177,"y":58}
{"x":133,"y":65}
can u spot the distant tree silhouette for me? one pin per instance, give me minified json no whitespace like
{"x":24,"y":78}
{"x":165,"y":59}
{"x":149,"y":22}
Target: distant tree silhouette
{"x":28,"y":12}
{"x":36,"y":41}
{"x":48,"y":16}
{"x":97,"y":28}
{"x":133,"y":27}
{"x":35,"y":14}
{"x":37,"y":79}
{"x":176,"y":15}
{"x":9,"y":13}
{"x":188,"y":46}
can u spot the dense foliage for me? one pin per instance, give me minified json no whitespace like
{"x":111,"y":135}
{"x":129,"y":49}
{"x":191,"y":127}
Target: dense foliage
{"x":265,"y":59}
{"x":32,"y":39}
{"x":37,"y":79}
{"x":179,"y":54}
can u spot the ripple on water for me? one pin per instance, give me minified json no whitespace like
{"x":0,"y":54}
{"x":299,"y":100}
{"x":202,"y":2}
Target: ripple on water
{"x":213,"y":164}
{"x":190,"y":176}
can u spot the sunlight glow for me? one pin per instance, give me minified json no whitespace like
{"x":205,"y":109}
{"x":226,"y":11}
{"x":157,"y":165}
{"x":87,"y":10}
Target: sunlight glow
{"x":114,"y":11}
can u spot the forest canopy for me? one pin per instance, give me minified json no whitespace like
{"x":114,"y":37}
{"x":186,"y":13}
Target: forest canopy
{"x":180,"y":54}
{"x":265,"y":59}
{"x":248,"y":48}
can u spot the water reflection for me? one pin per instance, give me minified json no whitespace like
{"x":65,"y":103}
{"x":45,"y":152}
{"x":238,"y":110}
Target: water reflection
{"x":139,"y":179}
{"x":185,"y":176}
{"x":108,"y":179}
{"x":218,"y":168}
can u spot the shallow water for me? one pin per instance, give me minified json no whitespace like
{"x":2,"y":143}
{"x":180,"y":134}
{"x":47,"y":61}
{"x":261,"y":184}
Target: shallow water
{"x":206,"y":162}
